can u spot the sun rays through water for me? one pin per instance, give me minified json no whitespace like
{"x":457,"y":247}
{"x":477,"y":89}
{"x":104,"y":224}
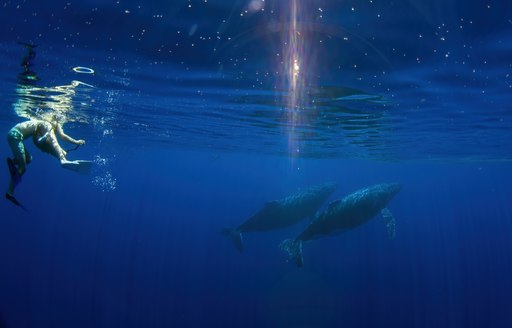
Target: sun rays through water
{"x":296,"y":60}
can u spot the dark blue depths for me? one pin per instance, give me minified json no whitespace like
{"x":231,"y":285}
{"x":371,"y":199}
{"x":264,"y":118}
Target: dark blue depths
{"x":150,"y":254}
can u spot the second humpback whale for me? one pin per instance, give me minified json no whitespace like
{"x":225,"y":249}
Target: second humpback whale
{"x":283,"y":213}
{"x":345,"y":214}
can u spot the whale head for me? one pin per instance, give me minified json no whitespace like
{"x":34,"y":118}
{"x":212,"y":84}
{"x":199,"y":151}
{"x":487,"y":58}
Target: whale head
{"x":390,"y":190}
{"x":327,"y":188}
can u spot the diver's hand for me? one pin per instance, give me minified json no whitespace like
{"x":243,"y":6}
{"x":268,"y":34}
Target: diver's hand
{"x":80,"y":142}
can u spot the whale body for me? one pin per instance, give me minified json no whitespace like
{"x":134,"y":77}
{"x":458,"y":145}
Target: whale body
{"x":283,"y":213}
{"x":344,"y":214}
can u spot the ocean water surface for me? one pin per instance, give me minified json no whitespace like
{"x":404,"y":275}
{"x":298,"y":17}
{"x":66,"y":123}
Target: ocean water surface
{"x":198,"y":113}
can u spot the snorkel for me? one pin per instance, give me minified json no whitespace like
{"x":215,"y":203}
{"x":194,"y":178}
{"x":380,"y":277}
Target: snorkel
{"x":42,"y":138}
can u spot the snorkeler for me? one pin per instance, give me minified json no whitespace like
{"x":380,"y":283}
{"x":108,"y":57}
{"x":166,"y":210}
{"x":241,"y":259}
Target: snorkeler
{"x":28,"y":76}
{"x":43,"y":126}
{"x":44,"y":135}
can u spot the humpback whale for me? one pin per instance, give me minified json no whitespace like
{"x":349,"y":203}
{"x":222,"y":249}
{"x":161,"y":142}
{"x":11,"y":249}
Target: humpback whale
{"x":282,"y":213}
{"x":346,"y":214}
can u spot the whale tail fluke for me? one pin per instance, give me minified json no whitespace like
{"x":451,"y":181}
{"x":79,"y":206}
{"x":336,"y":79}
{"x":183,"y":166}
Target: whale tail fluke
{"x":294,"y":249}
{"x":235,"y":236}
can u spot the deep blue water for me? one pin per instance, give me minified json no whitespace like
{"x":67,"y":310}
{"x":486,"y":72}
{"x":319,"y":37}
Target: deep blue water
{"x":199,"y":112}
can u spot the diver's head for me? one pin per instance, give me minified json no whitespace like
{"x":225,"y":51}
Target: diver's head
{"x":58,"y":117}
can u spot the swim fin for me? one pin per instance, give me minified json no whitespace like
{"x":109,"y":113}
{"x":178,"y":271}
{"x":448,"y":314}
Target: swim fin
{"x":13,"y":171}
{"x":79,"y":166}
{"x":13,"y":200}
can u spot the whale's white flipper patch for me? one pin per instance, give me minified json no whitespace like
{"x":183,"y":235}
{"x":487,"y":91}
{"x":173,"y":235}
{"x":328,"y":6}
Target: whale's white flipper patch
{"x":390,"y":222}
{"x":294,"y":249}
{"x":236,"y":237}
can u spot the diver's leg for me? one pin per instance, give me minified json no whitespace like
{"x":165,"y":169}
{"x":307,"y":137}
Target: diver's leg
{"x":18,"y":151}
{"x":83,"y":167}
{"x":13,"y":182}
{"x":16,"y":166}
{"x":10,"y":188}
{"x":56,"y":149}
{"x":28,"y":157}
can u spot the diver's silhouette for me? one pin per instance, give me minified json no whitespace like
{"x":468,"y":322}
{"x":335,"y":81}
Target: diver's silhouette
{"x":28,"y":76}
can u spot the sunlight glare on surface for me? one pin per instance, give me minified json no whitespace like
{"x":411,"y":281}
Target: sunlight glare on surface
{"x":295,"y":81}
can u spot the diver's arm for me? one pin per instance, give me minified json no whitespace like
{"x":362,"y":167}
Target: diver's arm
{"x":65,"y":137}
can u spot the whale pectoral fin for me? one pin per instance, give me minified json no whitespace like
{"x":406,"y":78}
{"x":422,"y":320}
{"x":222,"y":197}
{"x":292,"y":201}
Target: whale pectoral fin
{"x":294,"y":249}
{"x":235,"y":236}
{"x":390,"y":222}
